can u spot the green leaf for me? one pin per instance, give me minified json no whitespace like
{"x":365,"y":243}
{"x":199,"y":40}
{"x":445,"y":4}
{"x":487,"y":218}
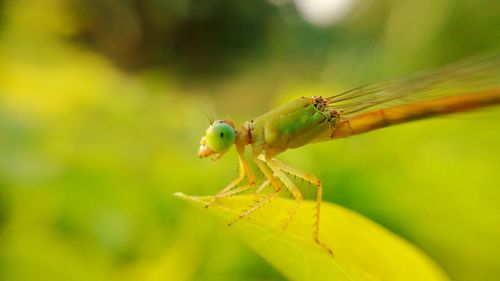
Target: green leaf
{"x":362,"y":249}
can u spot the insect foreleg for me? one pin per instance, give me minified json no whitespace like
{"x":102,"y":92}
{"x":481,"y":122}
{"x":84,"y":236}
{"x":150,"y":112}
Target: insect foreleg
{"x":244,"y":170}
{"x":265,"y":199}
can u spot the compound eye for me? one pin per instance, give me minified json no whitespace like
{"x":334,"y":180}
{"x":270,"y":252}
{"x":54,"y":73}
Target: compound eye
{"x":220,"y":136}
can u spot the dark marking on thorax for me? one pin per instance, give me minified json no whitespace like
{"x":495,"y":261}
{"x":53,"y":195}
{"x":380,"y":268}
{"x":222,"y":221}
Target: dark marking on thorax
{"x":249,"y":128}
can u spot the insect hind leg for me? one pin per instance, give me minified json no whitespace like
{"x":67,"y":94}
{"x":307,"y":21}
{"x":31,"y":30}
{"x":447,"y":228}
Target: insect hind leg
{"x":316,"y":182}
{"x":291,"y":187}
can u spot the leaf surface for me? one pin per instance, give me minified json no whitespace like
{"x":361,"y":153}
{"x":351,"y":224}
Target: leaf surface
{"x":362,"y":249}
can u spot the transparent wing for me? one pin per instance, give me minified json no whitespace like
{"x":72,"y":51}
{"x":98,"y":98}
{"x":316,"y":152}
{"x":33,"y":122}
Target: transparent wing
{"x":460,"y":78}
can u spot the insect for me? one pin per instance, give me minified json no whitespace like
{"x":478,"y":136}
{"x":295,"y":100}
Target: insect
{"x":455,"y":88}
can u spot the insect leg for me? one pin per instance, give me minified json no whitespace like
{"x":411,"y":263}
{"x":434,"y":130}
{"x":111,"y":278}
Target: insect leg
{"x":244,"y":169}
{"x":291,"y":187}
{"x":262,"y":186}
{"x":236,"y":190}
{"x":265,"y":199}
{"x":316,"y":182}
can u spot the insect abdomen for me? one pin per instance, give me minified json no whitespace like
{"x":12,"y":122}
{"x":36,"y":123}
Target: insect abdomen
{"x":405,"y":113}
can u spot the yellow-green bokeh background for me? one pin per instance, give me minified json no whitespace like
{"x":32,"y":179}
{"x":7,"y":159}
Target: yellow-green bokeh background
{"x":100,"y":123}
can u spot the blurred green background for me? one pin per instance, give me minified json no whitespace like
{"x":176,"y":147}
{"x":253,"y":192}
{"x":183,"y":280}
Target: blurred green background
{"x":103,"y":103}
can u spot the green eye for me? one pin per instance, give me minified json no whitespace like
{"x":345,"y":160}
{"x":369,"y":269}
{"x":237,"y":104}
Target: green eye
{"x":220,"y":136}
